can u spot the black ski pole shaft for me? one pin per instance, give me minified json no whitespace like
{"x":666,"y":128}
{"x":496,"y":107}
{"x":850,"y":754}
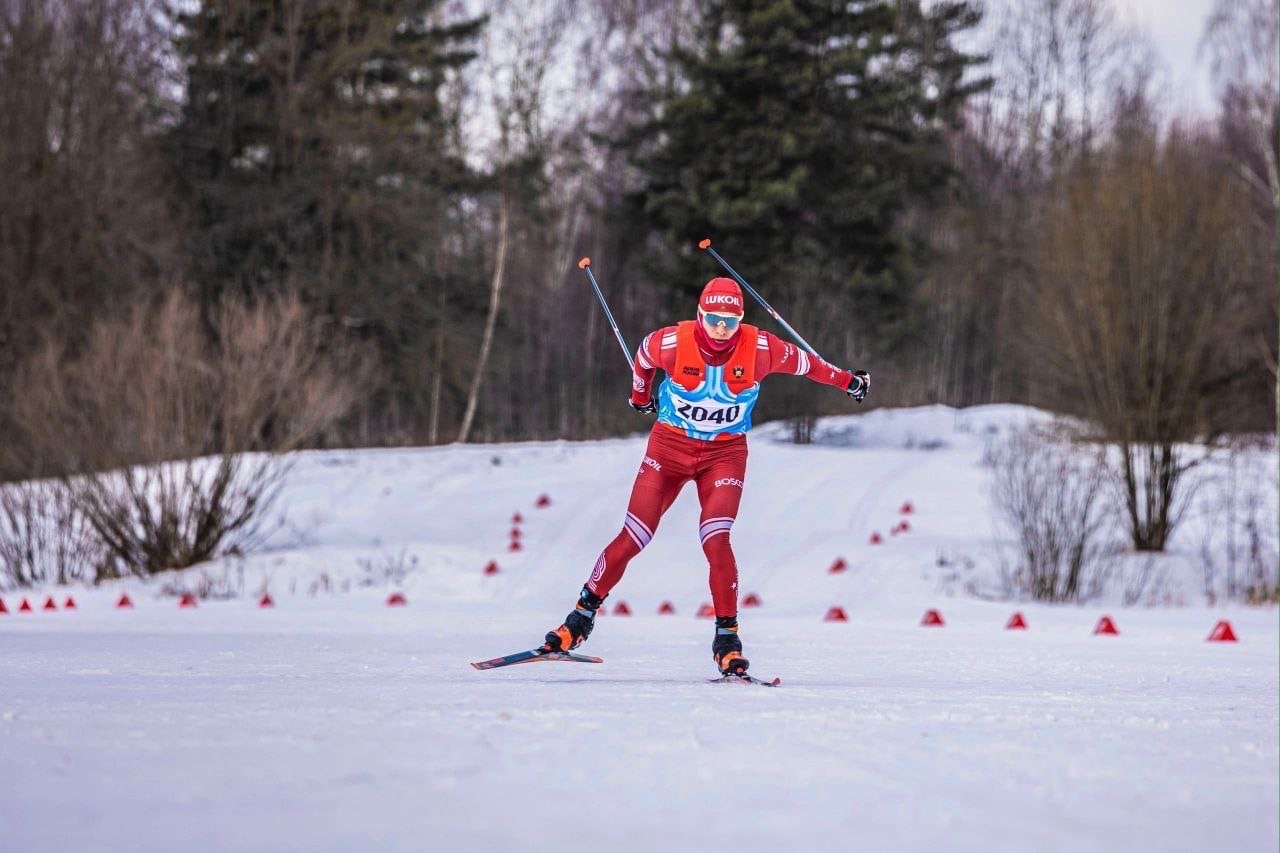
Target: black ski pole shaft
{"x":585,"y":264}
{"x":706,"y":244}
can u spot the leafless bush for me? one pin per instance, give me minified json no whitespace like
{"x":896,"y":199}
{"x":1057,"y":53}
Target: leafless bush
{"x":44,"y":538}
{"x":311,"y":380}
{"x":225,"y":583}
{"x":1139,"y":576}
{"x":1239,"y":538}
{"x":1049,"y":493}
{"x":146,"y":425}
{"x":178,"y":514}
{"x":387,"y":568}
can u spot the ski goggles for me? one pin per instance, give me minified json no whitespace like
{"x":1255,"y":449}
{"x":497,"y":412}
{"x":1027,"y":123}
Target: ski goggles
{"x":729,"y":321}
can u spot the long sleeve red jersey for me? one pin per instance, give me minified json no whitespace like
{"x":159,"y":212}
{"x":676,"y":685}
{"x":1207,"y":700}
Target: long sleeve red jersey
{"x":773,"y":355}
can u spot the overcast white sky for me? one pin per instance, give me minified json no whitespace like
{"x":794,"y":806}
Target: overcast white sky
{"x":1175,"y":27}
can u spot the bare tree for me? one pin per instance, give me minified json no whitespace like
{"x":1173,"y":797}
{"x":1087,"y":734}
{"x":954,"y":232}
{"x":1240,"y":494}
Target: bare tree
{"x":1242,"y":38}
{"x":85,"y":216}
{"x":522,"y":44}
{"x":1054,"y":63}
{"x":1137,"y":286}
{"x":501,"y":248}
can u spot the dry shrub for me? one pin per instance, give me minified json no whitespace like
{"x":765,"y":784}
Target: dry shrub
{"x":286,"y":381}
{"x":147,"y":425}
{"x":1240,"y":539}
{"x":152,"y":518}
{"x":44,"y":538}
{"x":1050,"y":494}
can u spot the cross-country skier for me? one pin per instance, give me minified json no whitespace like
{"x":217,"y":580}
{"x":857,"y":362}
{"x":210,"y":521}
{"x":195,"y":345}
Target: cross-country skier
{"x":714,"y":366}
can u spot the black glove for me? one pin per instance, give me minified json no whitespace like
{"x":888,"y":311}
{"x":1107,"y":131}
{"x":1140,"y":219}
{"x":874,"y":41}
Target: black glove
{"x":859,"y":385}
{"x":647,"y":409}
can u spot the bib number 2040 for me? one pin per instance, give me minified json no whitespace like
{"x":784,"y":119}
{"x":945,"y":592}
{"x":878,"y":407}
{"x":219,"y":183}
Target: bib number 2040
{"x":700,"y":414}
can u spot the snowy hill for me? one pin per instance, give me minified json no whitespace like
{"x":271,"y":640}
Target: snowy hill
{"x":431,"y":519}
{"x":333,"y":722}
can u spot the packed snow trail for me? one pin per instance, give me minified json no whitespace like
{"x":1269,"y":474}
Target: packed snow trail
{"x":340,"y":724}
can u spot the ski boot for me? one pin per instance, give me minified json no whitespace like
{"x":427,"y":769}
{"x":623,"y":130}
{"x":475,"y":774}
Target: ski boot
{"x":727,"y":648}
{"x":577,"y":625}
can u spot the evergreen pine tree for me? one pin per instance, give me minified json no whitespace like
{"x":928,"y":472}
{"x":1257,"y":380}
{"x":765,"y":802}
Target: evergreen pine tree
{"x":798,"y":133}
{"x":315,"y":151}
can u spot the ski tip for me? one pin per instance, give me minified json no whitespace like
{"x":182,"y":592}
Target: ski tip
{"x":704,"y":243}
{"x":584,"y":263}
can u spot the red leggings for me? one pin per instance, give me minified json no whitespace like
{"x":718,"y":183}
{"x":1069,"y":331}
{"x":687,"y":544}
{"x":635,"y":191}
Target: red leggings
{"x":670,"y":461}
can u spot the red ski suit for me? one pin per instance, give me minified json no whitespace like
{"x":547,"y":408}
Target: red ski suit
{"x":718,"y":467}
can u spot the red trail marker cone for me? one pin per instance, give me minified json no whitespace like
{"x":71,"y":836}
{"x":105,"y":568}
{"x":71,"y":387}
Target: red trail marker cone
{"x":396,"y":599}
{"x":838,"y":566}
{"x":124,"y":603}
{"x":622,"y":609}
{"x":752,"y":600}
{"x":266,"y":601}
{"x":904,"y":526}
{"x":835,"y":614}
{"x":514,"y":546}
{"x":666,"y":608}
{"x":1106,"y":627}
{"x":25,"y":607}
{"x":907,"y":508}
{"x":932,"y":618}
{"x":187,"y":600}
{"x":515,"y":533}
{"x":876,"y":538}
{"x":50,"y":604}
{"x":1222,"y":633}
{"x":543,"y":501}
{"x":517,"y":518}
{"x":1016,"y":623}
{"x":3,"y":609}
{"x":706,"y":611}
{"x":491,"y":568}
{"x":70,"y":604}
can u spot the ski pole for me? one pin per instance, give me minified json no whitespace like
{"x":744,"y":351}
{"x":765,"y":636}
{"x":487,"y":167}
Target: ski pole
{"x":706,"y":244}
{"x":585,"y":264}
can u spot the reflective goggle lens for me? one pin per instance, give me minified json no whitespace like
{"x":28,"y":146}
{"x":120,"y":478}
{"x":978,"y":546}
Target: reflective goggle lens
{"x":730,"y":321}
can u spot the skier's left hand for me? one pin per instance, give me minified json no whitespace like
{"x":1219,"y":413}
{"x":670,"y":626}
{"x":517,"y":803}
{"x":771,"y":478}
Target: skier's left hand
{"x":646,"y":409}
{"x":859,"y":385}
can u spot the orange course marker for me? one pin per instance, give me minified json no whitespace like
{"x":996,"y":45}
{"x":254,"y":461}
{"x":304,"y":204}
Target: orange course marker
{"x":584,"y":263}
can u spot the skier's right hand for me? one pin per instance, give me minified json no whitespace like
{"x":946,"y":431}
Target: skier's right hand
{"x":645,"y":409}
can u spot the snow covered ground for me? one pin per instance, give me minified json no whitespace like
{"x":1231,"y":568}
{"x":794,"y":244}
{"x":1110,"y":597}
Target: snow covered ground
{"x":333,"y":722}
